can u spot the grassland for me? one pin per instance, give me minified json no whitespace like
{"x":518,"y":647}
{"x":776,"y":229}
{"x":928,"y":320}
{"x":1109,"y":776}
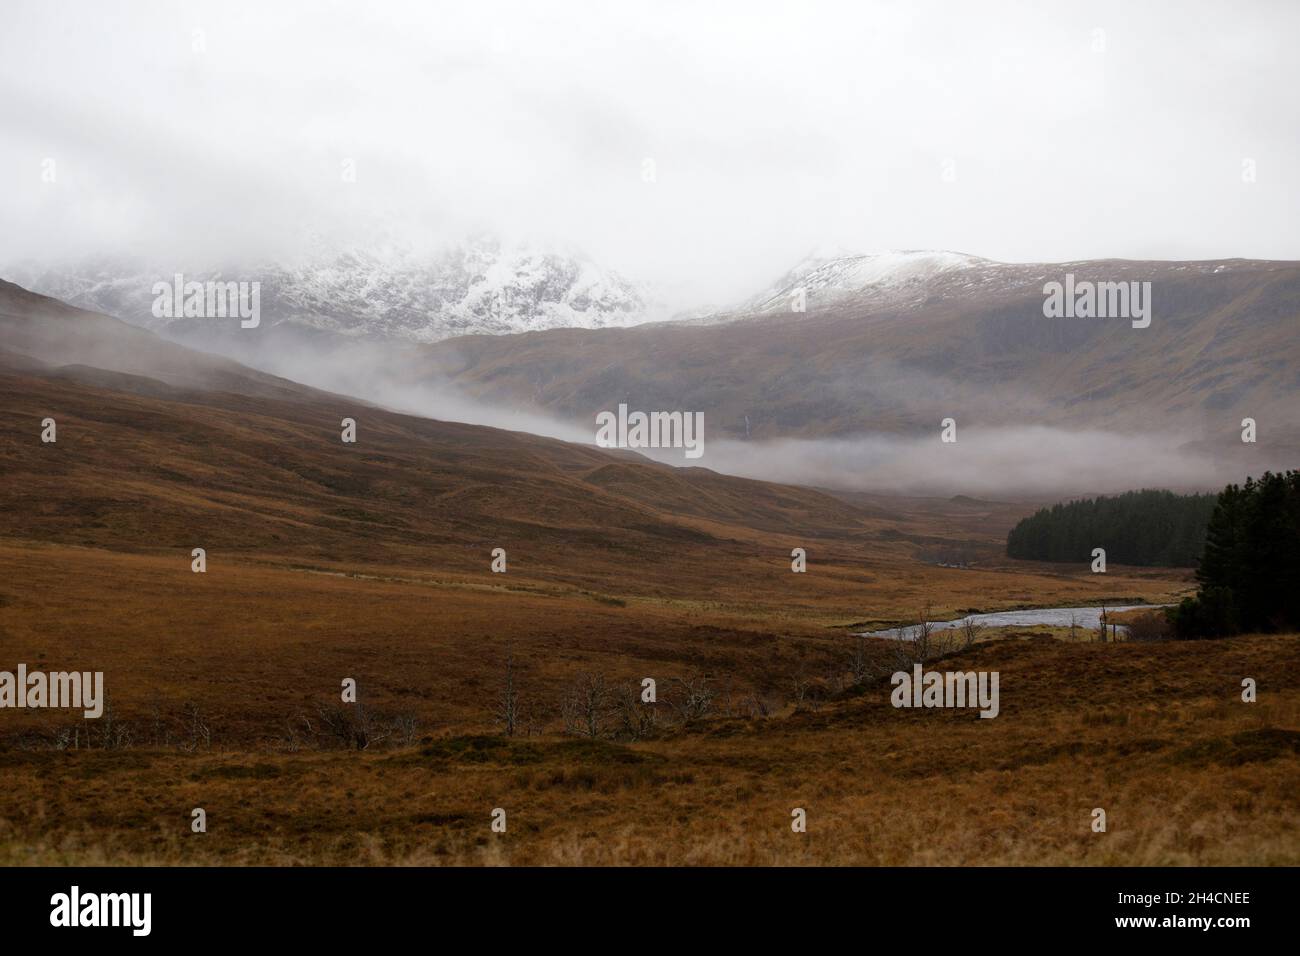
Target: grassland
{"x":371,"y":562}
{"x":1155,"y":734}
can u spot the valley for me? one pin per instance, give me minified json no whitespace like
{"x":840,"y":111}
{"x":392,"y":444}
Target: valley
{"x":372,"y":562}
{"x":846,"y":453}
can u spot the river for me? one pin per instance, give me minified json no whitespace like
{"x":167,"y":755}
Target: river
{"x":1087,"y":618}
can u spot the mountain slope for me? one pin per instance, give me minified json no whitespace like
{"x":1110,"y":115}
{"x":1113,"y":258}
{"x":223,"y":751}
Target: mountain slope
{"x":890,"y":278}
{"x":970,"y":341}
{"x":159,"y":446}
{"x":39,"y":330}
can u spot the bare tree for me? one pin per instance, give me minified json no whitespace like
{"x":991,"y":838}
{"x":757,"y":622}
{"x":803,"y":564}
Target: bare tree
{"x":291,"y":740}
{"x":637,"y":719}
{"x":858,"y":659}
{"x":407,"y":727}
{"x":508,"y":703}
{"x":694,"y":697}
{"x":810,"y":692}
{"x":113,"y":733}
{"x":196,"y":726}
{"x":586,"y":706}
{"x":922,"y":642}
{"x":350,"y":725}
{"x":916,"y":645}
{"x":970,"y":632}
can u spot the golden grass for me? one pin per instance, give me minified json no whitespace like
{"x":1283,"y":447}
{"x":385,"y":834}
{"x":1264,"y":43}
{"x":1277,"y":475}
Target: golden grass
{"x":1156,"y":735}
{"x":372,"y":563}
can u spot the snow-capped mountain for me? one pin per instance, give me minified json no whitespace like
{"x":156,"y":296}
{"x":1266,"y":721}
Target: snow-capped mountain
{"x":910,"y":279}
{"x":874,"y":282}
{"x":478,"y":286}
{"x":838,"y":275}
{"x":885,"y":279}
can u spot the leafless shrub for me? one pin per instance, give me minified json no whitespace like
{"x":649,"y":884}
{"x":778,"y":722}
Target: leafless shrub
{"x":297,"y":734}
{"x":406,"y":728}
{"x":349,"y":725}
{"x":586,"y":706}
{"x":636,"y":718}
{"x":914,"y":645}
{"x":970,"y":632}
{"x":507,"y":709}
{"x":859,"y":664}
{"x":113,"y":734}
{"x":197,"y":729}
{"x":692,"y":698}
{"x":813,"y":693}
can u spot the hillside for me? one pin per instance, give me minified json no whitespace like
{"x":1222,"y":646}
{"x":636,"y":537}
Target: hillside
{"x":1220,"y":347}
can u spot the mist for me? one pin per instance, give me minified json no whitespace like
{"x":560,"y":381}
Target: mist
{"x":1002,"y":462}
{"x":988,"y":462}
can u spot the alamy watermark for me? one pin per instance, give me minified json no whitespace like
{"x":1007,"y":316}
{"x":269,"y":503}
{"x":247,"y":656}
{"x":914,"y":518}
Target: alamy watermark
{"x":75,"y":908}
{"x":946,"y":689}
{"x":208,"y":300}
{"x":56,"y":689}
{"x":651,"y":430}
{"x":1098,"y":300}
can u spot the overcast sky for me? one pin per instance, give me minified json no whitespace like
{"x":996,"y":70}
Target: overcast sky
{"x":1017,"y":131}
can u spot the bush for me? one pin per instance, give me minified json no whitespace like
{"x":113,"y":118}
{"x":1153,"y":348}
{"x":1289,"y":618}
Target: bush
{"x":1145,"y":628}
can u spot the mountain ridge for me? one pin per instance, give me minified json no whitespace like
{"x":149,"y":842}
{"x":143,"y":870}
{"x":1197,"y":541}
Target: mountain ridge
{"x":390,"y":291}
{"x":1221,"y":347}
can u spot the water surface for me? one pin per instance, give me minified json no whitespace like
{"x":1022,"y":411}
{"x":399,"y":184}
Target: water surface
{"x":1087,"y":618}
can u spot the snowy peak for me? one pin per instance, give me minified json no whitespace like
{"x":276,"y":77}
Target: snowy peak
{"x":386,"y":290}
{"x":830,"y":276}
{"x":479,"y":286}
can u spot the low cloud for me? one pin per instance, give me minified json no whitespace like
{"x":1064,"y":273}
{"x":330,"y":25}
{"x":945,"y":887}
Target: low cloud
{"x":1031,"y":460}
{"x":997,"y":461}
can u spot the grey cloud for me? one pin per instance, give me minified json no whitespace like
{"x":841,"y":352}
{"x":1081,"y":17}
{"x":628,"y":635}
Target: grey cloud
{"x":776,"y":127}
